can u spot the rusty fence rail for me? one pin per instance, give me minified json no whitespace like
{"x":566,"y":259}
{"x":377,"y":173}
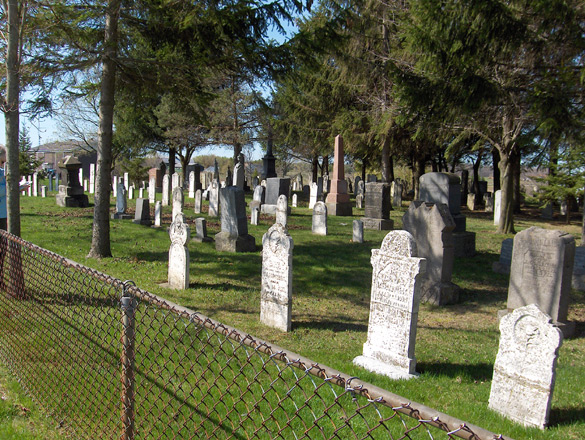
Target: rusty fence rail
{"x":109,"y":360}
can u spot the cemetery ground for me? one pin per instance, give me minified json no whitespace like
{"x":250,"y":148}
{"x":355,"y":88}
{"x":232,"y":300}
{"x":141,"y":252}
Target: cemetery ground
{"x":456,"y":345}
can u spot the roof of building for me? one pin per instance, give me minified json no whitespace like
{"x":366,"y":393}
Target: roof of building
{"x":69,"y":146}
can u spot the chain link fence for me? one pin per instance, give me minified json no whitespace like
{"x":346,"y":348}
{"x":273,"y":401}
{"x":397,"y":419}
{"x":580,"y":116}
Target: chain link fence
{"x":109,"y":360}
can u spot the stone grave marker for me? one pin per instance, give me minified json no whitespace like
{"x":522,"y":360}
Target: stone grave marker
{"x":488,"y":202}
{"x":35,"y":184}
{"x":378,"y":205}
{"x":505,"y":261}
{"x":131,"y":192}
{"x":432,"y":227}
{"x":166,"y":190}
{"x":275,"y":187}
{"x":276,"y":294}
{"x":255,"y":213}
{"x":44,"y":191}
{"x":396,"y":194}
{"x":92,"y":178}
{"x":115,"y":186}
{"x":157,"y":214}
{"x":282,"y":210}
{"x":234,"y":235}
{"x":141,"y":192}
{"x":294,"y":200}
{"x":547,"y":211}
{"x":541,"y":274}
{"x":178,"y":201}
{"x":178,"y":274}
{"x":151,"y":190}
{"x":319,"y":226}
{"x":359,"y":201}
{"x":121,"y":204}
{"x":70,"y":192}
{"x":142,"y":216}
{"x":192,"y":184}
{"x":314,"y":195}
{"x":358,"y":231}
{"x":201,"y":231}
{"x":337,"y":200}
{"x":198,"y":199}
{"x":497,"y":206}
{"x":213,"y":194}
{"x":524,"y":371}
{"x":356,"y":180}
{"x":175,"y":181}
{"x":239,"y":172}
{"x":394,"y":304}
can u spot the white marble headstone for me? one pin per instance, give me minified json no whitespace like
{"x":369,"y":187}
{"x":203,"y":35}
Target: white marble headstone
{"x":320,"y":219}
{"x":282,"y":210}
{"x":276,"y":296}
{"x":524,"y":372}
{"x":179,"y":254}
{"x":166,"y":190}
{"x":394,"y":304}
{"x":151,"y":189}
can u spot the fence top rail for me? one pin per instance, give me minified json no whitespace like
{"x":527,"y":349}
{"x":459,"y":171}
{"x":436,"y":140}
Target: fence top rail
{"x":424,"y":414}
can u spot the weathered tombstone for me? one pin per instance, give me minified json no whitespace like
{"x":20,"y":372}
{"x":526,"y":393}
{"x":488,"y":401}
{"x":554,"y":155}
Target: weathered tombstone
{"x":377,"y":210}
{"x":157,"y":214}
{"x":524,"y":371}
{"x":578,"y":280}
{"x":372,"y":178}
{"x":142,"y":216}
{"x":192,"y":184}
{"x":394,"y":304}
{"x":505,"y":261}
{"x":80,"y":175}
{"x":563,"y":207}
{"x":141,"y":192}
{"x":126,"y":181}
{"x":488,"y":202}
{"x":294,"y":200}
{"x":29,"y":189}
{"x":547,"y":211}
{"x":131,"y":192}
{"x":157,"y":175}
{"x":234,"y":235}
{"x":541,"y":273}
{"x":229,"y":178}
{"x":85,"y":184}
{"x":255,"y":182}
{"x":337,"y":200}
{"x":432,"y":227}
{"x":213,"y":194}
{"x":35,"y":184}
{"x":313,"y":197}
{"x":306,"y":190}
{"x":258,"y":194}
{"x":198,"y":200}
{"x":175,"y":181}
{"x":359,"y":201}
{"x":497,"y":206}
{"x":44,"y":191}
{"x":71,"y":193}
{"x":255,"y":212}
{"x":282,"y":210}
{"x":358,"y":231}
{"x":396,"y":194}
{"x":326,"y":183}
{"x":276,"y":294}
{"x":319,"y":226}
{"x":179,"y":254}
{"x":166,"y":190}
{"x":92,"y":178}
{"x":121,"y":204}
{"x":239,"y":172}
{"x":355,"y":185}
{"x":115,"y":186}
{"x":201,"y":230}
{"x":151,"y":190}
{"x":275,"y":187}
{"x":178,"y":201}
{"x":471,"y":202}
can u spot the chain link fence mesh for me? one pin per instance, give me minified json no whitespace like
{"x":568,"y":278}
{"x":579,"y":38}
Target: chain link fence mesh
{"x":109,"y":360}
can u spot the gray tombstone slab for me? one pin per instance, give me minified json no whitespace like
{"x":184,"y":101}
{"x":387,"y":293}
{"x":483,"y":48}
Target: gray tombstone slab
{"x":213,"y":194}
{"x":282,"y":210}
{"x":166,"y":190}
{"x":471,"y":205}
{"x":294,"y":200}
{"x":488,"y":202}
{"x":275,"y":187}
{"x":178,"y":273}
{"x":359,"y":201}
{"x":432,"y":227}
{"x":276,"y":295}
{"x":192,"y":184}
{"x":234,"y":235}
{"x":121,"y":204}
{"x":319,"y":226}
{"x":175,"y":181}
{"x":198,"y":199}
{"x":142,"y":216}
{"x":141,"y":193}
{"x":157,"y":214}
{"x":377,"y":207}
{"x":541,"y":273}
{"x":441,"y":188}
{"x":396,"y":194}
{"x":239,"y":172}
{"x":151,"y":190}
{"x":258,"y":194}
{"x":525,"y":367}
{"x":505,"y":261}
{"x":43,"y":191}
{"x":358,"y":231}
{"x":355,"y":185}
{"x":178,"y":201}
{"x":201,"y":230}
{"x":254,"y":212}
{"x":394,"y":305}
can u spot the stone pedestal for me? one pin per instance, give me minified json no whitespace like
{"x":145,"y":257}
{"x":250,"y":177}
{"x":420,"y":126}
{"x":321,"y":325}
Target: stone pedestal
{"x":238,"y":243}
{"x":71,"y":193}
{"x":377,"y":209}
{"x":337,"y":200}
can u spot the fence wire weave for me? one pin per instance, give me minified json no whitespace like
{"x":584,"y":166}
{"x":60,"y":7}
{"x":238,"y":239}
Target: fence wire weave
{"x":109,"y":360}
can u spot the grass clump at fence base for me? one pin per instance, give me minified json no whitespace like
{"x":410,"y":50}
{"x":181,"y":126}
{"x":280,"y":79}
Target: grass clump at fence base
{"x":456,"y":345}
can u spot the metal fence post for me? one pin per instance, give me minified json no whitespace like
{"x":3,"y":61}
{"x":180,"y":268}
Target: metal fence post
{"x":127,"y":361}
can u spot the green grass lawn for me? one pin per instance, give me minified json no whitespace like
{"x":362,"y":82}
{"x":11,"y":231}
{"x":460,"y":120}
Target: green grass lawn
{"x":456,"y":345}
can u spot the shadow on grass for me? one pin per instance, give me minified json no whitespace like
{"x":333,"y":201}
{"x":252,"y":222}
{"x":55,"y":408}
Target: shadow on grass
{"x":481,"y":372}
{"x":566,"y":416}
{"x":333,"y":325}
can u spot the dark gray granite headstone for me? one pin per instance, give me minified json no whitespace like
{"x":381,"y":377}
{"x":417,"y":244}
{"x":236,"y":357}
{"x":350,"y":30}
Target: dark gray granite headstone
{"x":377,"y":207}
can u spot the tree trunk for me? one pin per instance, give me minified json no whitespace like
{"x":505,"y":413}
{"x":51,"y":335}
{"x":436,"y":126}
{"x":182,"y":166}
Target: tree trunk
{"x":172,"y":160}
{"x":476,"y":191}
{"x":506,"y":165}
{"x":12,"y":118}
{"x":386,"y":166}
{"x":496,"y":166}
{"x":315,"y":168}
{"x":325,"y":166}
{"x":517,"y":186}
{"x":364,"y":166}
{"x":100,"y":242}
{"x":419,"y":170}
